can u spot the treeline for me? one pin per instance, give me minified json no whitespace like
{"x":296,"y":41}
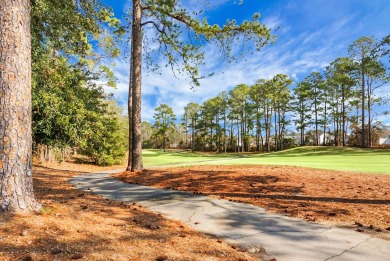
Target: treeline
{"x":71,"y":113}
{"x":323,"y":109}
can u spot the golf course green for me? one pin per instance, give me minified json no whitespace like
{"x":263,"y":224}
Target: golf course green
{"x":331,"y":158}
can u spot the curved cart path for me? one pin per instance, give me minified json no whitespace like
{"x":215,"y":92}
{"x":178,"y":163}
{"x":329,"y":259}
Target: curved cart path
{"x":251,"y":227}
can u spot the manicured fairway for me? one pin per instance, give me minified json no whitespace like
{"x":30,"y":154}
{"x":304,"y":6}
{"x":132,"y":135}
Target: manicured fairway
{"x":350,"y":159}
{"x":158,"y":157}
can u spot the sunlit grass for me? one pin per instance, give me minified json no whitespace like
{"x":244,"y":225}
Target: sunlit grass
{"x":333,"y":158}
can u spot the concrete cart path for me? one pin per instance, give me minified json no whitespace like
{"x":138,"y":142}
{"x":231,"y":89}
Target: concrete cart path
{"x":271,"y":235}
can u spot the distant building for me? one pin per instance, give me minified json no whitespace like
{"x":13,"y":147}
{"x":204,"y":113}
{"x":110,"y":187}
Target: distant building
{"x":328,"y":139}
{"x":384,"y":140}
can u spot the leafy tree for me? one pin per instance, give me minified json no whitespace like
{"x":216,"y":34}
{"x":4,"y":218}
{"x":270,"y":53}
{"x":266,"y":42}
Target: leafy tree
{"x":164,"y":122}
{"x":171,"y":23}
{"x":281,"y":98}
{"x":86,"y":30}
{"x":340,"y":77}
{"x":377,"y":76}
{"x":367,"y":51}
{"x":238,"y":98}
{"x":315,"y":82}
{"x":301,"y":107}
{"x":147,"y":132}
{"x":70,"y":40}
{"x":223,"y":96}
{"x":256,"y":98}
{"x":106,"y":145}
{"x":192,"y":114}
{"x":360,"y":51}
{"x":355,"y":136}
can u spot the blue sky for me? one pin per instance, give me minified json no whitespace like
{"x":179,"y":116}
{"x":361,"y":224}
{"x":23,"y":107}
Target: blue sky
{"x":312,"y":34}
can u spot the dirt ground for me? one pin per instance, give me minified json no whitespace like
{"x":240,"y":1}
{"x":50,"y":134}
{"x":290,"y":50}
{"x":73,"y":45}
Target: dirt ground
{"x":75,"y":225}
{"x":357,"y":201}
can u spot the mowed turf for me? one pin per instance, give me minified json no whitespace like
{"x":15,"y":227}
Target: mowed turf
{"x":332,"y":158}
{"x":152,"y":157}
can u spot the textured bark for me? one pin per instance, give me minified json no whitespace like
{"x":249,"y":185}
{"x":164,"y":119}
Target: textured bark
{"x":363,"y":107}
{"x":136,"y":87}
{"x":130,"y":113}
{"x":343,"y":115}
{"x":16,"y":186}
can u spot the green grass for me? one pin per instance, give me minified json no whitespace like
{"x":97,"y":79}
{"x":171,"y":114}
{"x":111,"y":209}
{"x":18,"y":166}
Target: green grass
{"x":158,"y":157}
{"x":333,"y":158}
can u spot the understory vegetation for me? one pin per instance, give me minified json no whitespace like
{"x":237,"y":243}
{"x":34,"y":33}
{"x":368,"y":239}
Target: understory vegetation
{"x":72,"y":114}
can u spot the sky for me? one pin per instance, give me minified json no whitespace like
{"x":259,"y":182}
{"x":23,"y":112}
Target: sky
{"x":310,"y":35}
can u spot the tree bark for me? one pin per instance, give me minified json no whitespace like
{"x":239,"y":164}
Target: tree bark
{"x":136,"y":56}
{"x":343,"y":115}
{"x":257,"y":129}
{"x":316,"y":120}
{"x":224,"y":129}
{"x":192,"y":135}
{"x":363,"y":107}
{"x":369,"y":115}
{"x":325,"y":123}
{"x":130,"y":112}
{"x":16,"y":185}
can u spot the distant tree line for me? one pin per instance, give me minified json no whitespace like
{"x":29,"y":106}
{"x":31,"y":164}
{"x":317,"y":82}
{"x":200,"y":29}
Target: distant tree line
{"x":322,"y":109}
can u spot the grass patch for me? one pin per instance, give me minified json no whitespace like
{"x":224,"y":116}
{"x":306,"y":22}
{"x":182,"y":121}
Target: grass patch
{"x":331,"y":158}
{"x":152,"y":157}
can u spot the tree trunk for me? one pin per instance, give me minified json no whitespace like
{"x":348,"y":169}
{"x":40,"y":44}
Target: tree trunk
{"x":217,"y":133}
{"x":316,"y":120}
{"x":344,"y":118}
{"x":224,"y":130}
{"x":130,"y":114}
{"x":231,"y":136}
{"x":369,"y":115}
{"x":257,"y":129}
{"x":16,"y":184}
{"x":325,"y":122}
{"x":192,"y":135}
{"x":186,"y":128}
{"x":136,"y":87}
{"x":275,"y":130}
{"x":238,"y":136}
{"x":363,"y":104}
{"x":211,"y":136}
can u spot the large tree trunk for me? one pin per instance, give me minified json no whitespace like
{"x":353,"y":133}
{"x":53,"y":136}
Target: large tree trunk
{"x":136,"y":87}
{"x":130,"y":113}
{"x":16,"y":185}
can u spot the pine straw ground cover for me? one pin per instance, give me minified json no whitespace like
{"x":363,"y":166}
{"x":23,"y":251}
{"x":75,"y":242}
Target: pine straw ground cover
{"x":76,"y":225}
{"x":352,"y":200}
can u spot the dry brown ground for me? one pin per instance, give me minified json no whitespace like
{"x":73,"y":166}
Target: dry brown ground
{"x":358,"y":201}
{"x":76,"y":225}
